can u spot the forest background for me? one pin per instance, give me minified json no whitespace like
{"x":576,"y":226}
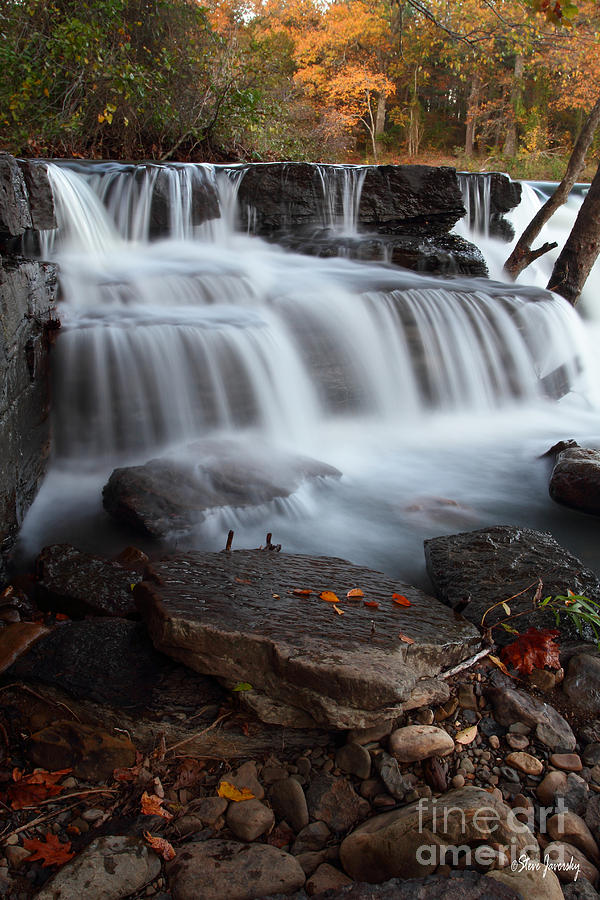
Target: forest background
{"x":480,"y":84}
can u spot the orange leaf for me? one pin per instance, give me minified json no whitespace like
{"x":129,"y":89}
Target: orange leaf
{"x":61,"y":617}
{"x":372,"y":604}
{"x":152,"y":806}
{"x":230,"y":792}
{"x":500,"y":664}
{"x":405,"y":638}
{"x":355,"y":592}
{"x":401,"y":600}
{"x":51,"y":852}
{"x":533,"y":650}
{"x":329,"y":596}
{"x":339,"y":611}
{"x":242,"y":580}
{"x":160,"y":845}
{"x":302,"y":592}
{"x":29,"y":790}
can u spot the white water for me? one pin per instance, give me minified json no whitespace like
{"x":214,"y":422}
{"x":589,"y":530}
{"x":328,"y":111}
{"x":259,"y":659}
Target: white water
{"x":425,"y":393}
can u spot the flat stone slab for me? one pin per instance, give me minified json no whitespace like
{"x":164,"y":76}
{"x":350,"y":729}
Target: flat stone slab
{"x":476,"y":569}
{"x":173,"y":494}
{"x":236,"y":615}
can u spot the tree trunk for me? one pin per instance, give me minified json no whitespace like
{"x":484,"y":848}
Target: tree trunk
{"x":581,"y":249}
{"x":510,"y":143}
{"x":380,"y":116}
{"x":472,"y":106}
{"x":522,"y":253}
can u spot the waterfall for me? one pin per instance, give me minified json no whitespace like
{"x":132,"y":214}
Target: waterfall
{"x":176,"y":326}
{"x":476,"y":191}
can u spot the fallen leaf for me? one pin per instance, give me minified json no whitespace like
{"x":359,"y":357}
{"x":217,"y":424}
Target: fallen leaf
{"x":152,"y":806}
{"x":191,"y":771}
{"x":355,"y":592}
{"x":160,"y":846}
{"x":467,"y":735}
{"x":275,"y":596}
{"x":405,"y":638}
{"x":130,"y":774}
{"x":29,"y":790}
{"x":372,"y":604}
{"x":302,"y":592}
{"x":230,"y":792}
{"x":339,"y":611}
{"x":61,"y":617}
{"x":401,"y":600}
{"x":329,"y":596}
{"x":242,"y":580}
{"x":50,"y":852}
{"x":498,"y":662}
{"x":242,"y":686}
{"x":534,"y":649}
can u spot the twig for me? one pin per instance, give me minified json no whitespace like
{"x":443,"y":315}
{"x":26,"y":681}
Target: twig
{"x":24,"y":687}
{"x":467,"y":663}
{"x":229,"y":542}
{"x":36,"y":821}
{"x":74,"y":794}
{"x":198,"y":734}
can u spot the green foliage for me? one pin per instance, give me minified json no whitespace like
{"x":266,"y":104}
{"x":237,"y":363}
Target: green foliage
{"x":580,"y":610}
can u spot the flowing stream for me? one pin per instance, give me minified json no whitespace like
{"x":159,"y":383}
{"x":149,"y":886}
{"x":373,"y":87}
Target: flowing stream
{"x":433,"y":397}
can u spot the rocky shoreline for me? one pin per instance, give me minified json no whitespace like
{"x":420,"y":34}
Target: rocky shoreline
{"x":487,"y":786}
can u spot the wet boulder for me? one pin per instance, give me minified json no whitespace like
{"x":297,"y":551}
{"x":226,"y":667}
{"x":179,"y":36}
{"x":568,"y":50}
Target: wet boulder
{"x":173,"y":494}
{"x":79,"y":584}
{"x":575,"y":479}
{"x":257,"y":617}
{"x":413,"y":200}
{"x":39,"y":190}
{"x":15,"y":214}
{"x":474,"y":570}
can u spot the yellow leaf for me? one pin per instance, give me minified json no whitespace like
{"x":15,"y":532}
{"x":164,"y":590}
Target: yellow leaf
{"x":506,"y":608}
{"x":500,"y":664}
{"x":329,"y":596}
{"x":100,"y":117}
{"x":355,"y":592}
{"x":467,"y":735}
{"x":230,"y":792}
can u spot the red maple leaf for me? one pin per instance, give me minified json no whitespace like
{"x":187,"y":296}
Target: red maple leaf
{"x":534,"y":649}
{"x":51,"y":852}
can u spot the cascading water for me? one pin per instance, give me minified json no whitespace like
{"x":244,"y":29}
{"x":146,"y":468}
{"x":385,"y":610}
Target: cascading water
{"x":431,"y":396}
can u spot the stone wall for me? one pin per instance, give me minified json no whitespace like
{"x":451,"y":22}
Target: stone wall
{"x":27,"y":322}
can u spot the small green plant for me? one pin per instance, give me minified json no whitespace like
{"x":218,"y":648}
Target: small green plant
{"x":580,"y":610}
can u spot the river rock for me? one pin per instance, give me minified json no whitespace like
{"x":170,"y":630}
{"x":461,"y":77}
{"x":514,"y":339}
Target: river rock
{"x":525,"y":762}
{"x":39,"y":192}
{"x":417,"y":742}
{"x":249,"y":819}
{"x":582,"y":683}
{"x":511,"y":705}
{"x":110,"y":868}
{"x":569,"y":827}
{"x":406,"y":843}
{"x":91,"y":752}
{"x":312,"y":837}
{"x":16,"y":639}
{"x":235,"y":615}
{"x":27,"y":312}
{"x":464,"y":885}
{"x":536,"y":884}
{"x":569,"y":863}
{"x":354,"y":759}
{"x":334,"y":801}
{"x":474,"y":570}
{"x":326,"y":878}
{"x":289,"y":802}
{"x":575,"y":480}
{"x":78,"y":584}
{"x":214,"y":869}
{"x":443,"y":254}
{"x":554,"y":783}
{"x":414,"y":200}
{"x":173,"y":494}
{"x":15,"y":214}
{"x":109,"y":661}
